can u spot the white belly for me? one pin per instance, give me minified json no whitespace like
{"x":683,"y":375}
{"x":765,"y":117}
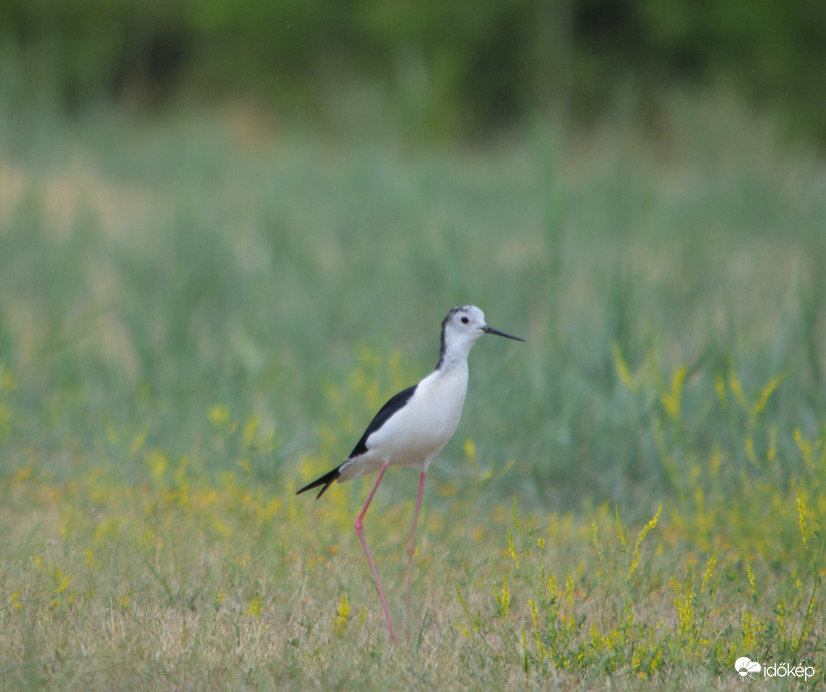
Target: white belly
{"x":415,"y":434}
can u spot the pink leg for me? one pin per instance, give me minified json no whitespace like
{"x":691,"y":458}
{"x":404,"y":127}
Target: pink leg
{"x":359,"y":524}
{"x":410,"y":550}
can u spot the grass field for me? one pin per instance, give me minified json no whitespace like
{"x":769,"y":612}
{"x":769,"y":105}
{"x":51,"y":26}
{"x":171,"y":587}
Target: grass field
{"x":200,"y":314}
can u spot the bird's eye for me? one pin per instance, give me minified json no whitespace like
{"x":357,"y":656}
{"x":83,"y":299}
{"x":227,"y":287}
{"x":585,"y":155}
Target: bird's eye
{"x":465,"y":320}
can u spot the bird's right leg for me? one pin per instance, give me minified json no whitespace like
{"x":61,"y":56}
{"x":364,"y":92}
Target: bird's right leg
{"x":410,"y":549}
{"x":359,"y":524}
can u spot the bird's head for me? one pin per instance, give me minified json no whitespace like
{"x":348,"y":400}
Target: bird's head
{"x":462,"y":328}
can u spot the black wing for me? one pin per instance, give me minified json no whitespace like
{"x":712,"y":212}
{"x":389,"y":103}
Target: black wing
{"x":386,"y":412}
{"x":326,"y":480}
{"x":380,"y":419}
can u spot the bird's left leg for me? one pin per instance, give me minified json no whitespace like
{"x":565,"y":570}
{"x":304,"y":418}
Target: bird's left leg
{"x":359,"y":524}
{"x":410,"y":549}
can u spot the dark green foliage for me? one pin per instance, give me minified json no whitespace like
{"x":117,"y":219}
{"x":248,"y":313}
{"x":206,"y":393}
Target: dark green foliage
{"x":451,"y":68}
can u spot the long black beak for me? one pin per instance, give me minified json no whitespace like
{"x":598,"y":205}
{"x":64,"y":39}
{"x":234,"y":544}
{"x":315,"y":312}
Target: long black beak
{"x":491,"y":330}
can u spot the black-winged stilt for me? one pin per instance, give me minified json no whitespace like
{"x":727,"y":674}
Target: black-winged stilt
{"x":413,"y":427}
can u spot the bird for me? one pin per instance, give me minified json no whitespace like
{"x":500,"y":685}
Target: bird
{"x":412,"y":428}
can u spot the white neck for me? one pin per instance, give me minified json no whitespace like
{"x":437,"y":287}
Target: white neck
{"x":455,"y":356}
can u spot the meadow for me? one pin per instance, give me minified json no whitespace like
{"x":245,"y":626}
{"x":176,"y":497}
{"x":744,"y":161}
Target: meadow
{"x":199,"y":313}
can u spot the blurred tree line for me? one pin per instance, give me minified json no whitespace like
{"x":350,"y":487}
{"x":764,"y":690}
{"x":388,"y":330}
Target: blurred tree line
{"x":455,"y":66}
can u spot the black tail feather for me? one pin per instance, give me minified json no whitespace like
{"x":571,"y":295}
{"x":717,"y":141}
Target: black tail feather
{"x":326,"y":480}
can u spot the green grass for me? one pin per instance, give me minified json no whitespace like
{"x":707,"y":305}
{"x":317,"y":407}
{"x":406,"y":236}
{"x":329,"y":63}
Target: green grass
{"x":198,"y":315}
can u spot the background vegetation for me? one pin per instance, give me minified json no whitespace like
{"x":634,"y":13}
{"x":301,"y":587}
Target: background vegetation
{"x":223,"y":245}
{"x":448,"y":69}
{"x":194,"y":323}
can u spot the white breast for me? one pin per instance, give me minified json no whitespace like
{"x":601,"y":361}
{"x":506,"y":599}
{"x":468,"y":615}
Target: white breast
{"x":419,"y":431}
